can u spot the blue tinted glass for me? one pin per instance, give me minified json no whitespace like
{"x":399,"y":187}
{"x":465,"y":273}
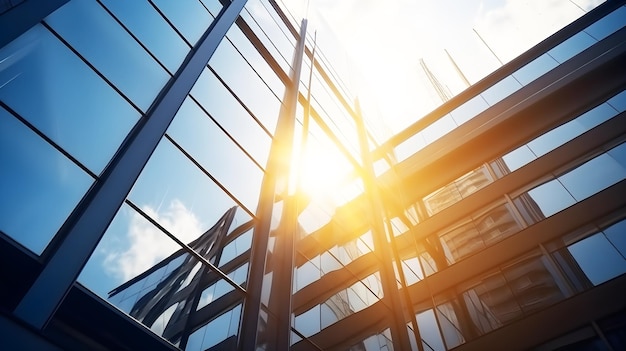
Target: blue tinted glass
{"x":188,"y":16}
{"x":152,"y":30}
{"x":208,"y":144}
{"x":175,"y":193}
{"x":231,"y":115}
{"x":500,"y":90}
{"x":618,"y":153}
{"x":571,"y":47}
{"x":246,"y":83}
{"x":535,"y":69}
{"x":469,"y":110}
{"x":518,"y":157}
{"x":598,"y":258}
{"x":75,"y":108}
{"x":308,"y":323}
{"x":551,"y":197}
{"x":247,"y":49}
{"x":556,"y":137}
{"x":617,"y":236}
{"x":217,"y":330}
{"x":214,"y":6}
{"x":106,"y":45}
{"x":596,"y":116}
{"x":593,"y":176}
{"x":619,"y":101}
{"x":130,"y":246}
{"x":608,"y":25}
{"x":39,"y":186}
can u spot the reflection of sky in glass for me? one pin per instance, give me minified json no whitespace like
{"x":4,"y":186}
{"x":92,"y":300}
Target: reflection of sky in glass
{"x":39,"y":186}
{"x":429,"y":330}
{"x":598,"y":258}
{"x":218,"y":154}
{"x":130,"y":246}
{"x":170,"y":179}
{"x":188,"y":16}
{"x":617,"y":235}
{"x":152,"y":30}
{"x":551,"y":197}
{"x":231,"y":115}
{"x":593,"y":176}
{"x":75,"y":108}
{"x":105,"y":44}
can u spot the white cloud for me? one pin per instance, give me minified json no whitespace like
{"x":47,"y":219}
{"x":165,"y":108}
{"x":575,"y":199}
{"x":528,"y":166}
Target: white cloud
{"x":147,"y":244}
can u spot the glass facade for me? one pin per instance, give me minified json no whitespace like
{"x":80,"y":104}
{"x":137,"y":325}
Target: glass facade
{"x":196,"y":175}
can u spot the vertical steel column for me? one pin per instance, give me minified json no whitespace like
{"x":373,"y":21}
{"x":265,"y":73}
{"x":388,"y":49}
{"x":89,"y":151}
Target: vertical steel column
{"x":399,"y":332}
{"x":89,"y":222}
{"x":276,"y":175}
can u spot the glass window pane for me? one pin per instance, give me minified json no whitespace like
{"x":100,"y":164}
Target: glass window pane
{"x":608,"y":25}
{"x":535,"y":69}
{"x":201,"y":137}
{"x":598,"y":258}
{"x":175,"y":193}
{"x":75,"y":108}
{"x":518,"y":158}
{"x":617,"y":236}
{"x":429,"y":330}
{"x":438,"y":129}
{"x":618,"y":153}
{"x":409,"y":147}
{"x":39,"y":186}
{"x":551,"y":197}
{"x":571,"y":47}
{"x":593,"y":176}
{"x":618,"y":102}
{"x":188,"y":16}
{"x":469,"y":110}
{"x":308,"y":323}
{"x":215,"y":331}
{"x":141,"y":18}
{"x":231,"y":115}
{"x":249,"y":87}
{"x":500,"y":90}
{"x":104,"y":43}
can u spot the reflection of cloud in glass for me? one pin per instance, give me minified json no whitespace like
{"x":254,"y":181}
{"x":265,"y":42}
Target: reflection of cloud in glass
{"x":147,"y":244}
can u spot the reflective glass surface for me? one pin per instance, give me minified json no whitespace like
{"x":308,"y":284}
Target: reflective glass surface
{"x":232,"y":116}
{"x":190,"y":17}
{"x":535,"y":69}
{"x":468,"y":110}
{"x":500,"y":90}
{"x":598,"y":258}
{"x":175,"y":193}
{"x":91,"y":31}
{"x":75,"y":107}
{"x":39,"y":186}
{"x":215,"y":331}
{"x":247,"y":84}
{"x":142,"y":19}
{"x":219,"y":155}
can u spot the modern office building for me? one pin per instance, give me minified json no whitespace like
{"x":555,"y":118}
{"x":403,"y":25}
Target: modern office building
{"x":155,"y":191}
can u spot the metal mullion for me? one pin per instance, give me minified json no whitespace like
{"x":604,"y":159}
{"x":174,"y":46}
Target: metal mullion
{"x":278,"y":166}
{"x":88,"y":222}
{"x":388,"y":280}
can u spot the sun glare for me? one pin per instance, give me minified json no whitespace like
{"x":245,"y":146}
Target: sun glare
{"x":322,"y":171}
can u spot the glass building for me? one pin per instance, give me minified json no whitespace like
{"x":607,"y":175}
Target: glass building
{"x":155,"y":189}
